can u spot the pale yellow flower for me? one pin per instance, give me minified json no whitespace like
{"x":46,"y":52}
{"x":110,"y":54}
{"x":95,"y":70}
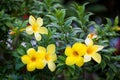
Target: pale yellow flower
{"x":49,"y":56}
{"x":92,"y":36}
{"x":74,"y":54}
{"x":12,"y":33}
{"x":36,"y":27}
{"x":92,"y":50}
{"x":33,"y":60}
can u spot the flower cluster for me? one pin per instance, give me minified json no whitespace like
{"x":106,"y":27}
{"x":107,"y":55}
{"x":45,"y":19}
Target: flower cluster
{"x":80,"y":53}
{"x":39,"y":59}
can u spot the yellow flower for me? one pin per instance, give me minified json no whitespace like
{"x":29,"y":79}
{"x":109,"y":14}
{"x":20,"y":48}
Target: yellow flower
{"x":16,"y":30}
{"x":92,"y":35}
{"x":33,"y":60}
{"x":92,"y":50}
{"x":49,"y":56}
{"x":35,"y":27}
{"x":89,"y":38}
{"x":74,"y":54}
{"x":12,"y":33}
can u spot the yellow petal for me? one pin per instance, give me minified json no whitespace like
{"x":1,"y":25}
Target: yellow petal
{"x":87,"y":58}
{"x":40,"y":56}
{"x":88,"y":41}
{"x":79,"y":48}
{"x":79,"y":61}
{"x":31,"y":20}
{"x":37,"y":36}
{"x":41,"y":52}
{"x":70,"y":60}
{"x":93,"y":49}
{"x":51,"y":49}
{"x":51,"y":66}
{"x":96,"y":57}
{"x":54,"y":57}
{"x":41,"y":49}
{"x":99,"y":47}
{"x":31,"y":52}
{"x":43,"y":30}
{"x":25,"y":59}
{"x":40,"y":21}
{"x":68,"y":51}
{"x":40,"y":64}
{"x":31,"y":66}
{"x":29,"y":30}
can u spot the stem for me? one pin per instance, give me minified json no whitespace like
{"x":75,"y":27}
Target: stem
{"x":15,"y":41}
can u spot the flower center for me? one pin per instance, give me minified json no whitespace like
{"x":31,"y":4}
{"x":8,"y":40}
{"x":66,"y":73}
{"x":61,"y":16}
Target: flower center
{"x":35,"y":27}
{"x":47,"y":57}
{"x":75,"y":53}
{"x":90,"y":50}
{"x":33,"y":59}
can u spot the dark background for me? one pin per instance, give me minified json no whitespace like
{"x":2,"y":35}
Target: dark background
{"x":101,"y":8}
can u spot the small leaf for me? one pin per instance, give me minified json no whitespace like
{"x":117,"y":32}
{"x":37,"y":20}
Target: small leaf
{"x":69,"y":21}
{"x":62,"y":58}
{"x":18,"y":66}
{"x":106,"y":56}
{"x":52,"y":18}
{"x":103,"y":64}
{"x":86,"y":17}
{"x":116,"y":58}
{"x":116,"y":21}
{"x":109,"y":21}
{"x":113,"y":67}
{"x":71,"y":69}
{"x":60,"y":64}
{"x":20,"y":51}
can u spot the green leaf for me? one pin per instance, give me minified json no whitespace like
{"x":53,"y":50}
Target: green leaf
{"x":71,"y":69}
{"x":86,"y":17}
{"x":24,"y":24}
{"x":15,"y":54}
{"x":69,"y":21}
{"x":103,"y":64}
{"x":60,"y":15}
{"x":80,"y":10}
{"x":116,"y":58}
{"x":18,"y":66}
{"x":53,"y":18}
{"x":59,"y":70}
{"x":116,"y":21}
{"x":20,"y":51}
{"x":109,"y":22}
{"x":113,"y":67}
{"x":107,"y":57}
{"x":60,"y":64}
{"x":61,"y":60}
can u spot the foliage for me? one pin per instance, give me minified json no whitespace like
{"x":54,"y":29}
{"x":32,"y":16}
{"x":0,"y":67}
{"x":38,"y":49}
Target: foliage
{"x":63,"y":30}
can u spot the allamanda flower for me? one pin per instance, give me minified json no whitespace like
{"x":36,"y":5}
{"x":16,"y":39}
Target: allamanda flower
{"x":35,"y":27}
{"x":92,"y":50}
{"x":91,"y":35}
{"x":74,"y":54}
{"x":49,"y":56}
{"x":33,"y":60}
